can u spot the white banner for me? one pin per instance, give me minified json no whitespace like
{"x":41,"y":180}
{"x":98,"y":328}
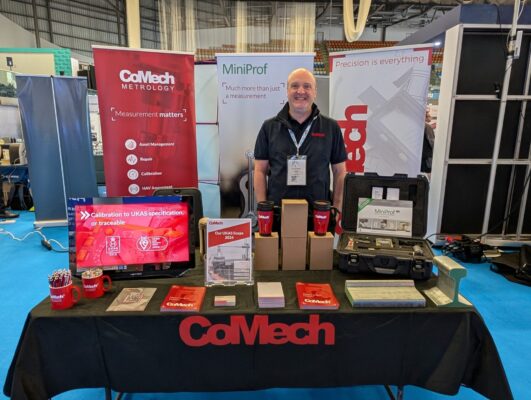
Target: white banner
{"x":379,"y":99}
{"x":252,"y":88}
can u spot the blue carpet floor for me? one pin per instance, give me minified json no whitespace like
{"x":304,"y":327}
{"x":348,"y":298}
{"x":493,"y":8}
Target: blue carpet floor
{"x":505,"y":307}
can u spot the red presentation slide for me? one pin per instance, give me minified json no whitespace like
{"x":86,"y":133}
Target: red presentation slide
{"x":124,"y":234}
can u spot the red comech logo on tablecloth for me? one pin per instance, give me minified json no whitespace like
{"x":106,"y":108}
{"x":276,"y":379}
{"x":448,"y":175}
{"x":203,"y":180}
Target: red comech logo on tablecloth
{"x":260,"y":331}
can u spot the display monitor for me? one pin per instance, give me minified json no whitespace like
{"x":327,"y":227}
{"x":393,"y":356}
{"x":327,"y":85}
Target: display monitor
{"x":131,"y":237}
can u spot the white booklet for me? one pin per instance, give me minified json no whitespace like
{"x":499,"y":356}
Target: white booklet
{"x":228,"y":256}
{"x":385,"y":217}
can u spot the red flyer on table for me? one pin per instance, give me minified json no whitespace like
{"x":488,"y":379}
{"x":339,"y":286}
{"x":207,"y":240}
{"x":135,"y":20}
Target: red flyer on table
{"x":184,"y":299}
{"x":316,"y":296}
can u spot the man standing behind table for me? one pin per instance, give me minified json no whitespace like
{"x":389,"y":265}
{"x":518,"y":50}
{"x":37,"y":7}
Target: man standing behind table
{"x":296,"y":148}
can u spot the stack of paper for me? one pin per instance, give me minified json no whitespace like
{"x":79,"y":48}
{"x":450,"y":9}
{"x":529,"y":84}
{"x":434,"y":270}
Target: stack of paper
{"x":270,"y":295}
{"x":384,"y":293}
{"x":225,"y":301}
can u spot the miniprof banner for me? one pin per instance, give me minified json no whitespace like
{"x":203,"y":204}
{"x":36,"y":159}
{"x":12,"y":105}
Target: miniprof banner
{"x":146,"y":101}
{"x":379,"y":99}
{"x":252,"y":88}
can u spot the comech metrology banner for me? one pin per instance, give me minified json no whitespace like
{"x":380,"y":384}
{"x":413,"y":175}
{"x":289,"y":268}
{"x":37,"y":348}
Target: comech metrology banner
{"x":146,"y":102}
{"x":251,"y":89}
{"x":378,"y":97}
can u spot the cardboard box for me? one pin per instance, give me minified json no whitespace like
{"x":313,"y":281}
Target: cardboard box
{"x":294,"y":218}
{"x":293,"y":253}
{"x":320,"y":251}
{"x":266,"y":252}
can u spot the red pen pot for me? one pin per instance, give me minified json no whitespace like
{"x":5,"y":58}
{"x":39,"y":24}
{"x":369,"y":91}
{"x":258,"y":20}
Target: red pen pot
{"x":64,"y":297}
{"x":94,"y":286}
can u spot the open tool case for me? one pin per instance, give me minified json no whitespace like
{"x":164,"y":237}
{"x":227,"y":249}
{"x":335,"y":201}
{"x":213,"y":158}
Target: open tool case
{"x":385,"y":254}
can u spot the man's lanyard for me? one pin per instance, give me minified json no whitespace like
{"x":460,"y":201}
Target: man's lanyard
{"x":304,"y":135}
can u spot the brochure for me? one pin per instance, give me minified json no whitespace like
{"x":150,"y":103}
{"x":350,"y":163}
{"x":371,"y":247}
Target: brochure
{"x":228,"y":256}
{"x":132,"y":299}
{"x":316,"y":296}
{"x":385,"y":217}
{"x":184,"y":299}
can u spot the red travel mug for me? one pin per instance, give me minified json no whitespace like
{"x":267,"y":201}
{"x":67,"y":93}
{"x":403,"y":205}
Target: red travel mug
{"x":265,"y":217}
{"x":321,"y":217}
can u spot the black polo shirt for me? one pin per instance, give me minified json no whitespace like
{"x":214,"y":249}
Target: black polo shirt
{"x":323,"y":146}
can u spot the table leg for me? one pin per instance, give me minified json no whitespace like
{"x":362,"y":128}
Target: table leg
{"x":399,"y":392}
{"x":108,"y":394}
{"x":389,"y":392}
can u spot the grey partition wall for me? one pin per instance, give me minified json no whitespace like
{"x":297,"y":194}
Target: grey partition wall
{"x":75,"y":143}
{"x":481,"y":164}
{"x":482,"y":160}
{"x":56,"y":133}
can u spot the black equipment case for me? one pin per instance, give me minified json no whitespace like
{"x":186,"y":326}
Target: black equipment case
{"x":409,"y":257}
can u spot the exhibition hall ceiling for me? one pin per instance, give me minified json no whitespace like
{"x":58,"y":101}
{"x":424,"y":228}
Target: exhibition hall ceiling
{"x":383,"y":13}
{"x":77,"y":24}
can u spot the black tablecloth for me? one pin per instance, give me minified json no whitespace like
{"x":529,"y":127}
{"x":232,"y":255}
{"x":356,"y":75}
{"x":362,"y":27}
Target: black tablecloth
{"x":438,"y":349}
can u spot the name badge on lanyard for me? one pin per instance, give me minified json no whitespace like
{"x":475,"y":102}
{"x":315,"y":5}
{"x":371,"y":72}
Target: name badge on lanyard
{"x":296,"y":171}
{"x":296,"y":164}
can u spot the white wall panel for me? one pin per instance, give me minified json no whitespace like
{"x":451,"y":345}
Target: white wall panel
{"x":207,"y":139}
{"x":206,"y":94}
{"x":211,"y":200}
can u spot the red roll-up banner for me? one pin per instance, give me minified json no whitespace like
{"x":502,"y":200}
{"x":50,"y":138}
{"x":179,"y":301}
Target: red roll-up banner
{"x":146,"y":102}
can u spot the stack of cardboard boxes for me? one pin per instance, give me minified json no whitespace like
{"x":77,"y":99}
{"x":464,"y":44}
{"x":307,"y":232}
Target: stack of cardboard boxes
{"x":294,"y":226}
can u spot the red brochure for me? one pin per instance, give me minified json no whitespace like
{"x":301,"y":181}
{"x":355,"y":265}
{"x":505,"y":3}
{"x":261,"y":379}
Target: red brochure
{"x":184,"y":299}
{"x":316,"y":296}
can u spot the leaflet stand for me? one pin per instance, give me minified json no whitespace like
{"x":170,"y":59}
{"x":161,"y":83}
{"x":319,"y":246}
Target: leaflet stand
{"x":446,"y":293}
{"x":228,"y":260}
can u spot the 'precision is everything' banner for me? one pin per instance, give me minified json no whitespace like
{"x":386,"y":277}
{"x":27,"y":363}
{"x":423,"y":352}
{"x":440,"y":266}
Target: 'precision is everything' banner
{"x":378,"y":97}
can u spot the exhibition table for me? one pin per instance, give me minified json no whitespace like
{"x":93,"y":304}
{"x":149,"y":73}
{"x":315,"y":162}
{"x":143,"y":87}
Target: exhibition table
{"x":85,"y":346}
